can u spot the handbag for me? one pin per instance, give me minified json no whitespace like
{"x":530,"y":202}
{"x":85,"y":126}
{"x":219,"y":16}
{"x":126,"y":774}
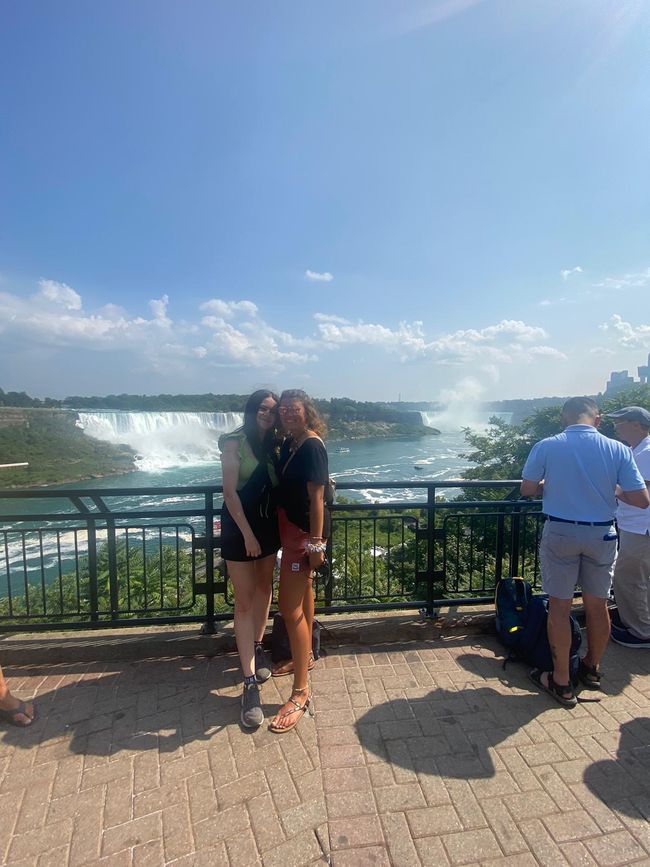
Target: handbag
{"x":280,"y":647}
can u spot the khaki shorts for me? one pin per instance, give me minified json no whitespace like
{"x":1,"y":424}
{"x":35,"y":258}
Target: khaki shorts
{"x":573,"y":555}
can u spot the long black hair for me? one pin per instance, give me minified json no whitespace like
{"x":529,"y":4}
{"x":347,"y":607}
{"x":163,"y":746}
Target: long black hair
{"x":262,"y":448}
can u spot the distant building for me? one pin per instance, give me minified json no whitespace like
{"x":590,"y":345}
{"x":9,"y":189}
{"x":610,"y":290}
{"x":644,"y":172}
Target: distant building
{"x":619,"y":380}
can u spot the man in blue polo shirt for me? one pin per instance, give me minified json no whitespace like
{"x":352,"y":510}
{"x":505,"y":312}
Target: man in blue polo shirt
{"x":577,"y":472}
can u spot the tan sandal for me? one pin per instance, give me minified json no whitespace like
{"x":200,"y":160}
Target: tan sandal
{"x":298,"y":709}
{"x":282,"y":669}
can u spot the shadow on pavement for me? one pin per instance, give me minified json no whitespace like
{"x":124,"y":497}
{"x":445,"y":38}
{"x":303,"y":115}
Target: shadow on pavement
{"x":449,"y":733}
{"x":101,"y":710}
{"x":615,"y":781}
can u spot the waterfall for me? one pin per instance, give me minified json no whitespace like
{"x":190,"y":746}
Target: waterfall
{"x":163,"y":439}
{"x":455,"y":417}
{"x":429,"y":419}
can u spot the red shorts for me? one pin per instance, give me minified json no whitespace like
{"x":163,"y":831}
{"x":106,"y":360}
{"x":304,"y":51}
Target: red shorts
{"x":294,"y":544}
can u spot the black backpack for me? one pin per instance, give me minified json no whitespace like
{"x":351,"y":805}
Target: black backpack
{"x":521,"y":621}
{"x":280,"y":647}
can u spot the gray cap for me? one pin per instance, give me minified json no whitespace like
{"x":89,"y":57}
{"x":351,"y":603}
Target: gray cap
{"x":631,"y":413}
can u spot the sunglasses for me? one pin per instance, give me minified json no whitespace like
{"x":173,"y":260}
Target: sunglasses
{"x":289,"y":410}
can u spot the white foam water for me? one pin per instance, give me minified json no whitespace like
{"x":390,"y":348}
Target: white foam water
{"x":163,"y":440}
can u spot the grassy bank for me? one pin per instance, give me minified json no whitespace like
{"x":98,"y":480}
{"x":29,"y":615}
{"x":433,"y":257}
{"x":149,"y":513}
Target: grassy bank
{"x":56,"y":449}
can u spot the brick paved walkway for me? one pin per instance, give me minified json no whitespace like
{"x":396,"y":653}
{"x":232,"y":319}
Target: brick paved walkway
{"x":417,"y":755}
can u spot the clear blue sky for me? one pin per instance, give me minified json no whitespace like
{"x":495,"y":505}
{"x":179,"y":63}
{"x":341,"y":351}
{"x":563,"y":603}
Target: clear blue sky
{"x":366,"y":198}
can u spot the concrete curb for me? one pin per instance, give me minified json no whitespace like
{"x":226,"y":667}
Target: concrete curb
{"x":186,"y":640}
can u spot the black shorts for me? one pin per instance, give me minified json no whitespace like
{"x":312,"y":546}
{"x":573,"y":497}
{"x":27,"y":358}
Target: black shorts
{"x":232,"y":542}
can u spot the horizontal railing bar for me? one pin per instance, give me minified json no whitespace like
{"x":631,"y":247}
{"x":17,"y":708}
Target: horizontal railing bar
{"x":448,"y":483}
{"x":62,"y":494}
{"x":446,"y":504}
{"x":66,"y":493}
{"x":336,"y":507}
{"x":104,"y":516}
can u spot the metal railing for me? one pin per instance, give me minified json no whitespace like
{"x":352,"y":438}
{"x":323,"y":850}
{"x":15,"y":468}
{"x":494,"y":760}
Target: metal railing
{"x":133,"y":556}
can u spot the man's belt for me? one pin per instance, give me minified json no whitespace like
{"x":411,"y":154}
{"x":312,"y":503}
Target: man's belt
{"x":581,"y":523}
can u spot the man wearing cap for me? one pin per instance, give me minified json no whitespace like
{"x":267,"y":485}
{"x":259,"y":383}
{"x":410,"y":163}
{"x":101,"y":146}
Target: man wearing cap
{"x":577,"y":473}
{"x":632,"y":573}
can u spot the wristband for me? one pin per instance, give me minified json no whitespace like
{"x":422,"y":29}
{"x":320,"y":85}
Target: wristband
{"x":311,"y":548}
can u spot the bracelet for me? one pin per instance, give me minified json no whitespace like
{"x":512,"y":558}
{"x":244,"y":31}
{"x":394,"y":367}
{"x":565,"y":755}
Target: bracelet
{"x":320,"y":548}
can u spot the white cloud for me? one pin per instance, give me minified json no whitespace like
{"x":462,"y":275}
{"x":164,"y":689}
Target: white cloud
{"x":499,"y":343}
{"x":565,"y":273}
{"x":319,"y":276}
{"x":228,"y":309}
{"x":234,"y":334}
{"x":158,"y":307}
{"x":407,"y":339}
{"x":557,"y":302}
{"x":331,"y":317}
{"x":626,"y":281}
{"x":547,"y":352}
{"x":515,"y":328}
{"x":626,"y":334}
{"x":248,"y":339}
{"x":60,"y":293}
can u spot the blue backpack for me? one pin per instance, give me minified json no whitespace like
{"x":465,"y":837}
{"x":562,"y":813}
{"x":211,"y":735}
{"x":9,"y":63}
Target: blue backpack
{"x":521,"y":626}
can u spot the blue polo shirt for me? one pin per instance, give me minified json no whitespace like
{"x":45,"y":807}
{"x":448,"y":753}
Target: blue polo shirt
{"x":581,"y":469}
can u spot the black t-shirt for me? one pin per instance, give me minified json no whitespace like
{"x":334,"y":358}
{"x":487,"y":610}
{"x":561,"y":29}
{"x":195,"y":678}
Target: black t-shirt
{"x":309,"y":464}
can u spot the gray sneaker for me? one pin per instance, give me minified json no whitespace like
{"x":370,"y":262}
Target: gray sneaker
{"x":262,"y":670}
{"x":251,"y":709}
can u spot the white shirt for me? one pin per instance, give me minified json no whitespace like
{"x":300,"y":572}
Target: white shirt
{"x":629,"y":518}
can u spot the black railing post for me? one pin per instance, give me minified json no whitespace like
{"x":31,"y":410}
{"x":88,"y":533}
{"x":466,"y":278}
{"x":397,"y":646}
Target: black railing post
{"x":329,"y":575}
{"x":515,"y":534}
{"x":209,"y":627}
{"x":112,"y":567}
{"x":431,"y":548}
{"x":92,"y":570}
{"x":498,"y":554}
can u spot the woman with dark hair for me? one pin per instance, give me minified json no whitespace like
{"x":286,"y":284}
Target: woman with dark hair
{"x":301,"y":515}
{"x":249,"y":537}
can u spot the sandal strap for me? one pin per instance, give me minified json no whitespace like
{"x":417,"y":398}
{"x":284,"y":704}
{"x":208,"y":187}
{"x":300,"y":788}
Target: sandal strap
{"x":296,"y":707}
{"x":560,"y":688}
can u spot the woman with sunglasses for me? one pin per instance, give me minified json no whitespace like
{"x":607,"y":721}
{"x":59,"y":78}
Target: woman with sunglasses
{"x":249,"y":537}
{"x":301,"y":515}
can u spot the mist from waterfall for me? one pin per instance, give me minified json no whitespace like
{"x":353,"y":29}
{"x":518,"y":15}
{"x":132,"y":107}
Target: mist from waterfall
{"x":454,"y":418}
{"x":163,"y":440}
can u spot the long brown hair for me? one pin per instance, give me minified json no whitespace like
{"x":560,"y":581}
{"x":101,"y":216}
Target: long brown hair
{"x":313,"y":418}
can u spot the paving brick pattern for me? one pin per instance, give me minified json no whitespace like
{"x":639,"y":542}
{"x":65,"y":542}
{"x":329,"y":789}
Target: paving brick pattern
{"x":418,"y":754}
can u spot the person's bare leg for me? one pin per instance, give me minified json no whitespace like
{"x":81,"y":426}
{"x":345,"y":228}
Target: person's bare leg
{"x":559,"y":637}
{"x":10,"y":703}
{"x":262,"y":597}
{"x":598,"y":628}
{"x":293,"y":586}
{"x":242,"y":576}
{"x":308,"y":607}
